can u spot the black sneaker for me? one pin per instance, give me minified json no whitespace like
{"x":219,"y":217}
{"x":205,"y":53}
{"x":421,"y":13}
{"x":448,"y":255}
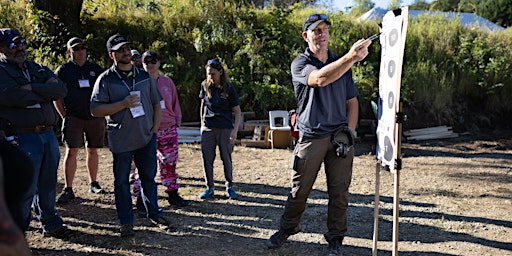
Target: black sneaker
{"x":277,"y":239}
{"x":96,"y":188}
{"x":61,"y":233}
{"x":126,"y":230}
{"x":66,"y":195}
{"x":334,"y":248}
{"x":175,"y":199}
{"x":141,"y":208}
{"x":160,"y":222}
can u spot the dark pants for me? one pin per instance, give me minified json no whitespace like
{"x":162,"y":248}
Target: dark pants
{"x":310,"y":153}
{"x":209,"y":141}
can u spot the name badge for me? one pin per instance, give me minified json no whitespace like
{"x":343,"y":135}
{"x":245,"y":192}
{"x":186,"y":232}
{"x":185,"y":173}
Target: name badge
{"x":84,"y":83}
{"x":137,"y":110}
{"x":162,"y":104}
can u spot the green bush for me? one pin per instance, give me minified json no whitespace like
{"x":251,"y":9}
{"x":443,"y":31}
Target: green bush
{"x":451,"y":75}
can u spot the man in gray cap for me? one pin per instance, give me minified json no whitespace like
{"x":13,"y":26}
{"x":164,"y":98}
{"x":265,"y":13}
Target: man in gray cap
{"x":28,"y":91}
{"x":136,"y":59}
{"x":79,"y":74}
{"x":130,"y":99}
{"x":327,"y":110}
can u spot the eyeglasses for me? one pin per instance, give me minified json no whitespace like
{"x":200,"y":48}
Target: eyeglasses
{"x":315,"y":17}
{"x":136,"y":57}
{"x":153,"y":61}
{"x":20,"y":43}
{"x":123,"y":49}
{"x":78,"y":48}
{"x":212,"y":62}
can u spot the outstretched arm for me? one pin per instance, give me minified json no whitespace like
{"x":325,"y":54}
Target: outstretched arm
{"x":333,"y":71}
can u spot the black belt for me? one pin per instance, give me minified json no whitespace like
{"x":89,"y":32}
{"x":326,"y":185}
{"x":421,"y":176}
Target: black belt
{"x":36,"y":129}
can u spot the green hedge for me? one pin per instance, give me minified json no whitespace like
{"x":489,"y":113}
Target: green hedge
{"x":452,"y":74}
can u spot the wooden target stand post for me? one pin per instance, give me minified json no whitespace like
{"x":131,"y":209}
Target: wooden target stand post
{"x":390,"y":116}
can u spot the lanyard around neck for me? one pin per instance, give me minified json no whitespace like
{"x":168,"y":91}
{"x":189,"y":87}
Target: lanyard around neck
{"x":124,"y":82}
{"x":26,"y":72}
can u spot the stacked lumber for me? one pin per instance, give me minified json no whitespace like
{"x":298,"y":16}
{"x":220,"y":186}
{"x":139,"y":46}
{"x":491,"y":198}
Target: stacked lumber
{"x":187,"y":134}
{"x":431,"y":133}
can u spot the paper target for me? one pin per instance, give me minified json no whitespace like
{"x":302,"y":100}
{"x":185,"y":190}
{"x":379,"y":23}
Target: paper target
{"x":392,"y":50}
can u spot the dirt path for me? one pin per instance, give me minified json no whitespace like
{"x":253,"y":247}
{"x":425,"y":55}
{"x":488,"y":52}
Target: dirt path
{"x":456,"y":199}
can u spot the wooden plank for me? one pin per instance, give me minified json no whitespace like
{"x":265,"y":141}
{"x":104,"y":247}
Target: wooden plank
{"x":253,"y":143}
{"x":189,"y":139}
{"x":426,"y":133}
{"x":189,"y":132}
{"x":441,"y":135}
{"x":427,"y":130}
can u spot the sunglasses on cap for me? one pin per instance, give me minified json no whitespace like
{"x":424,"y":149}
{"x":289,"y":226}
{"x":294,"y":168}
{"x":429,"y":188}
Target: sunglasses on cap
{"x":212,"y":62}
{"x":123,"y":49}
{"x":315,"y":17}
{"x":136,"y":57}
{"x":14,"y":45}
{"x":78,"y":48}
{"x":152,"y":61}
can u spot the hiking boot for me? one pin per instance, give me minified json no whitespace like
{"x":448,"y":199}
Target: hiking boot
{"x":176,"y":200}
{"x":230,"y":192}
{"x":96,"y":188}
{"x":66,"y":195}
{"x":334,"y":248}
{"x":61,"y":233}
{"x":126,"y":230}
{"x":277,"y":239}
{"x":208,"y":193}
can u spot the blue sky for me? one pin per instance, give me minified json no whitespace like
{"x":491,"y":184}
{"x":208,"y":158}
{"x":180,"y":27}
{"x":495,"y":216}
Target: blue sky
{"x":341,"y":4}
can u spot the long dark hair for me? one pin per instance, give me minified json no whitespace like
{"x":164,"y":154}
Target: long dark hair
{"x":225,"y":83}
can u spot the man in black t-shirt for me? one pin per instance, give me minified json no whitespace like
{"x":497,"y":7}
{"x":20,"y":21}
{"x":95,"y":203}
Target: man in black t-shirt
{"x":79,"y":74}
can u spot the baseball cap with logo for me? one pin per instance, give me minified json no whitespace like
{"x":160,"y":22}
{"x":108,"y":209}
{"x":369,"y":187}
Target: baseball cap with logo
{"x":8,"y":36}
{"x":313,"y":20}
{"x":74,"y":42}
{"x":115,"y":42}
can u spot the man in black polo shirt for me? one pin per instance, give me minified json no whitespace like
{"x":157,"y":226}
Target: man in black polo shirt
{"x":79,"y":74}
{"x":327,"y":110}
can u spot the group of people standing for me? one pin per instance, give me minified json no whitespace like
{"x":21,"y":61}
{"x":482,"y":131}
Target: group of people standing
{"x":133,"y":102}
{"x":142,"y":117}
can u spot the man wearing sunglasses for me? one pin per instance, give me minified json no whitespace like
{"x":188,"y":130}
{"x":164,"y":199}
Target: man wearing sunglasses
{"x":136,"y":59}
{"x":327,"y":110}
{"x":130,"y":100}
{"x":27,"y":93}
{"x":79,"y":74}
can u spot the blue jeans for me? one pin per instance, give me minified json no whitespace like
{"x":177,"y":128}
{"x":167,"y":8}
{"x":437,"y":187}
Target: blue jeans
{"x":145,"y":161}
{"x":43,"y":151}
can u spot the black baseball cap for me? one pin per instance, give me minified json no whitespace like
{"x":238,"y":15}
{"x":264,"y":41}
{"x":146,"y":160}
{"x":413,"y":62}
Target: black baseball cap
{"x":74,"y":42}
{"x":115,"y":42}
{"x":8,"y":36}
{"x":313,"y":20}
